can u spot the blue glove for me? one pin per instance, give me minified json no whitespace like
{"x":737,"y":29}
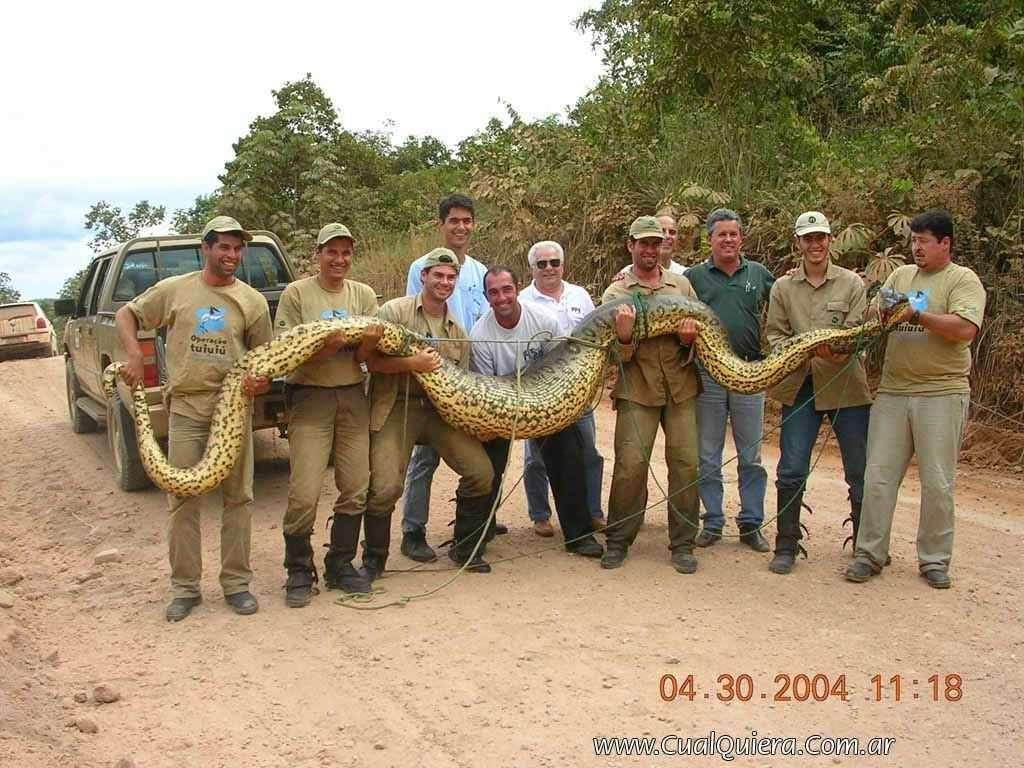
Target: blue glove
{"x":918,"y":300}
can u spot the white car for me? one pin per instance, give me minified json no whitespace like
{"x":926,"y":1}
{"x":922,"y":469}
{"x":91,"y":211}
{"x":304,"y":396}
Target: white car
{"x":25,"y":331}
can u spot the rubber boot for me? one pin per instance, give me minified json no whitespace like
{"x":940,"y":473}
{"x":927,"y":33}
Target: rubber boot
{"x":377,"y":533}
{"x":339,"y":573}
{"x":854,"y":521}
{"x":788,"y":522}
{"x":298,"y":561}
{"x":471,"y":515}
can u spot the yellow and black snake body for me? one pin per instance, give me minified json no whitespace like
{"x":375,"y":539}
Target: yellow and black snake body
{"x":548,"y":396}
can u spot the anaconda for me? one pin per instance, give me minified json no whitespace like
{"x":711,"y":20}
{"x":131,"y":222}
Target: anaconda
{"x":550,"y":394}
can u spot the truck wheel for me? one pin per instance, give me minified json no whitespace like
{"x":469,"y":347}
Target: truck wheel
{"x":81,"y":422}
{"x":128,"y":469}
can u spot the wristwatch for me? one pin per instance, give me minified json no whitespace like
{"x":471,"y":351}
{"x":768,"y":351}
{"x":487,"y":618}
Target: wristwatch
{"x":916,"y":317}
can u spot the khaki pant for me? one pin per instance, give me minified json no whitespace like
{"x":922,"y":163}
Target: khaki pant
{"x":323,"y":422}
{"x":391,"y":447}
{"x":186,"y":441}
{"x":636,"y":426}
{"x":902,"y":426}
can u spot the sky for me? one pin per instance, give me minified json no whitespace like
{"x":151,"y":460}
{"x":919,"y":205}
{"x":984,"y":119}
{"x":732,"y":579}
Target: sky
{"x":123,"y":101}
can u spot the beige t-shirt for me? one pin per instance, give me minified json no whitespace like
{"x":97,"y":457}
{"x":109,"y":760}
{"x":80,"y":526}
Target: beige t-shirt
{"x":796,"y":307}
{"x":209,"y":329}
{"x":307,"y":301}
{"x":918,"y":362}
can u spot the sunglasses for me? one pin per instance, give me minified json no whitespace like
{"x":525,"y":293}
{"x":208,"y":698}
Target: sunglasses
{"x":543,"y":264}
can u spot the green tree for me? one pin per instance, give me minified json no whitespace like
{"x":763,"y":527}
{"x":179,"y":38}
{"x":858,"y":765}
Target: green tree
{"x":111,"y":226}
{"x":8,"y":295}
{"x":191,"y":220}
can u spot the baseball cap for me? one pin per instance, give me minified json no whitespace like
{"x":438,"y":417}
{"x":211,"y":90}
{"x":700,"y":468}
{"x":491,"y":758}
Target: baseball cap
{"x":331,"y":231}
{"x":646,"y":226}
{"x":225,"y":224}
{"x":811,"y":221}
{"x":441,"y":257}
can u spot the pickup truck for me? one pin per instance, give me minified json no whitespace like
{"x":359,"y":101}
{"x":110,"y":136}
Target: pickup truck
{"x":90,"y":342}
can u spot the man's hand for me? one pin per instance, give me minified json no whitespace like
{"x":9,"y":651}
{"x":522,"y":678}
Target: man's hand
{"x":625,"y":318}
{"x":371,"y":335}
{"x":254,"y":385}
{"x":425,"y":361}
{"x":825,"y":353}
{"x":334,"y":342}
{"x":132,"y":370}
{"x":687,"y":331}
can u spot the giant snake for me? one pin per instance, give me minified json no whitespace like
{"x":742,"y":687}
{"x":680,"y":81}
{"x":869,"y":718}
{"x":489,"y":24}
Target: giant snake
{"x":548,"y":396}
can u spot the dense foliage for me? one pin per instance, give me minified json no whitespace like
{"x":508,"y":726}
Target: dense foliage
{"x":869,"y":111}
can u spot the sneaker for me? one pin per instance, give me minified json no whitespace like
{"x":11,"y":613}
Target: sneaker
{"x":586,"y":547}
{"x":937,"y":578}
{"x":684,"y":562}
{"x":859,"y":571}
{"x":751,"y":536}
{"x":180,"y":607}
{"x":243,"y":603}
{"x":415,"y":547}
{"x":613,"y":557}
{"x":544,"y":528}
{"x":708,"y":538}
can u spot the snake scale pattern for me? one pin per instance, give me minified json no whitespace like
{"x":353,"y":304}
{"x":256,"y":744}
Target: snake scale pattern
{"x":551,"y":394}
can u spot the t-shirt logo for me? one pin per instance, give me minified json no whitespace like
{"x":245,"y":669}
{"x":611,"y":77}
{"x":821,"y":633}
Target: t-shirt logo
{"x":210,"y":320}
{"x":749,"y":287}
{"x":334,"y":314}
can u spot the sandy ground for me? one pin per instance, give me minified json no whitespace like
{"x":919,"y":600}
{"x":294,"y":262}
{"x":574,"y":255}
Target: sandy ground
{"x":524,"y":667}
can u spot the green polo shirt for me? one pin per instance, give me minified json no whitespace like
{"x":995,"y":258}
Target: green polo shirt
{"x":737,"y":299}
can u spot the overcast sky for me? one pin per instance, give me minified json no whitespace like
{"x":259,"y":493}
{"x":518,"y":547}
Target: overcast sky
{"x":128,"y":101}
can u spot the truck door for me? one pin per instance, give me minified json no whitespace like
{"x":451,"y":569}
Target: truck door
{"x":88,"y":363}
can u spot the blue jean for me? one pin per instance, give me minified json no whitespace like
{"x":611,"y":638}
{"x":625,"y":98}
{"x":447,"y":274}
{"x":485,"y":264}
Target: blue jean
{"x":418,"y":478}
{"x":800,"y":426}
{"x":535,"y":477}
{"x":715,"y":405}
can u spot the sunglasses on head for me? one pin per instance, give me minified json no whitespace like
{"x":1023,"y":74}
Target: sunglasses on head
{"x":543,"y":263}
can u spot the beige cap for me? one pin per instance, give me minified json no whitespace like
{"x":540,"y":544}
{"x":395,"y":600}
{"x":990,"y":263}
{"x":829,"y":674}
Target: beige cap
{"x":441,"y":257}
{"x":225,"y":224}
{"x":331,"y":231}
{"x":811,"y":221}
{"x":646,"y":226}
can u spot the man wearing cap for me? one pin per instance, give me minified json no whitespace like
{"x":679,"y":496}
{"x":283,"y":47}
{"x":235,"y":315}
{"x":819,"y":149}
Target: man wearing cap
{"x":921,"y":405}
{"x":401,"y":416}
{"x":569,"y":304}
{"x":736,"y":289}
{"x":817,"y":294}
{"x":456,"y":219}
{"x":668,"y":245}
{"x":505,"y":341}
{"x":656,"y":386}
{"x":328,"y":416}
{"x":213,"y":319}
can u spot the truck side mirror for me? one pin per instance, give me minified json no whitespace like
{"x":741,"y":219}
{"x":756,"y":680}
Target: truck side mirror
{"x":64,"y":307}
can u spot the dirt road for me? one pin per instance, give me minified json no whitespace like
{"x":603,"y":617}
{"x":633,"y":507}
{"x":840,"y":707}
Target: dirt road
{"x":524,"y":667}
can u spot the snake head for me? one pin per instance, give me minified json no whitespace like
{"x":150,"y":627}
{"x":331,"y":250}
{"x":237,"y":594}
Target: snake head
{"x":895,"y":307}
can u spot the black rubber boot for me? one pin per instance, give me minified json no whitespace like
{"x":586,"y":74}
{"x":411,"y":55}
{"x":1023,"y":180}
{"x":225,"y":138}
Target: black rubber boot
{"x":339,"y":573}
{"x":377,"y":541}
{"x":854,"y":521}
{"x":471,"y":515}
{"x":298,"y":561}
{"x":789,"y":534}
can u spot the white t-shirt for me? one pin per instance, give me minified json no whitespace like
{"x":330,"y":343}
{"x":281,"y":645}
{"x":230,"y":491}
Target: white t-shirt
{"x":569,"y":310}
{"x":490,"y":356}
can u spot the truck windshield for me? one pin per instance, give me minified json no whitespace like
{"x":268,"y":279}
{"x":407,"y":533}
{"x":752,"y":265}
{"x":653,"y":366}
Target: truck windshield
{"x":261,"y":267}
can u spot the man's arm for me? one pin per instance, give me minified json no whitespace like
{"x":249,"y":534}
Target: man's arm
{"x":949,"y":327}
{"x":127,"y":331}
{"x":777,"y":327}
